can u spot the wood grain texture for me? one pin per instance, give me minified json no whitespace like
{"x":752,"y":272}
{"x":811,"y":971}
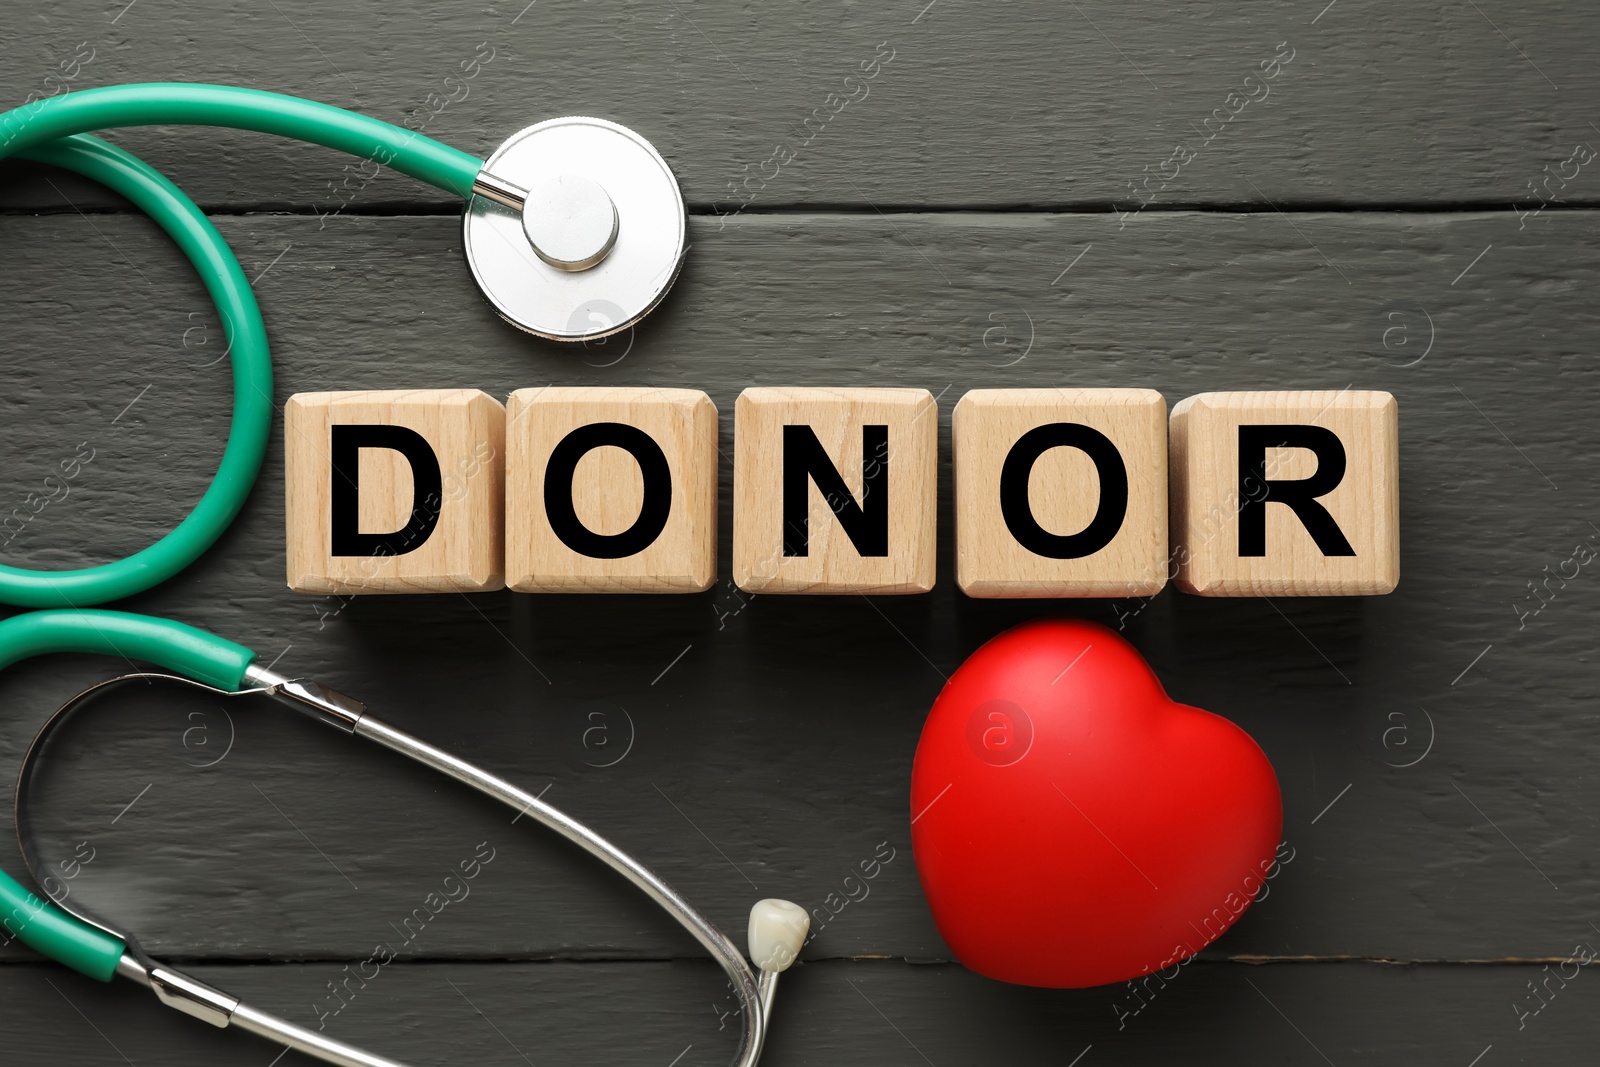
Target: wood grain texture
{"x":608,"y":491}
{"x":1406,"y":864}
{"x":1065,"y":493}
{"x":872,"y":529}
{"x":1338,"y":535}
{"x":1013,"y":104}
{"x":461,"y":551}
{"x":857,"y":1011}
{"x":1432,"y":744}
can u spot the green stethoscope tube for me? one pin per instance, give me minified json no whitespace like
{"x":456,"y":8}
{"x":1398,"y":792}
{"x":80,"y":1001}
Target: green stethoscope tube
{"x":47,"y":929}
{"x":193,"y":104}
{"x":173,"y":645}
{"x":54,"y":131}
{"x":252,"y":387}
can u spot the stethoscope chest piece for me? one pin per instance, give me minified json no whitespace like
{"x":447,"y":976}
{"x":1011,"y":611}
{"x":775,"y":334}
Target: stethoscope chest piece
{"x":599,"y":238}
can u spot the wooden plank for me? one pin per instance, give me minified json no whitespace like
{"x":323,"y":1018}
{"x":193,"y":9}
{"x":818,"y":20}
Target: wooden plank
{"x":765,"y":742}
{"x":835,"y":1012}
{"x":1021,"y":104}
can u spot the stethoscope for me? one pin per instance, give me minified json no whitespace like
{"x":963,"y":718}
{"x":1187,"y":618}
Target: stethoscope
{"x":574,"y":229}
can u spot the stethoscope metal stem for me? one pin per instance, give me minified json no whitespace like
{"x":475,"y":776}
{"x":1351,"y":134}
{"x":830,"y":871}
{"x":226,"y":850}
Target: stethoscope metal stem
{"x":307,"y":1041}
{"x":500,"y":191}
{"x":211,"y":1005}
{"x":767,"y":985}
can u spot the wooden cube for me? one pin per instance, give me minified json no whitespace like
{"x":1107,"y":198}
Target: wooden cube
{"x":1061,"y":492}
{"x":834,"y":490}
{"x":611,"y":490}
{"x":1286,"y":493}
{"x":394,"y":491}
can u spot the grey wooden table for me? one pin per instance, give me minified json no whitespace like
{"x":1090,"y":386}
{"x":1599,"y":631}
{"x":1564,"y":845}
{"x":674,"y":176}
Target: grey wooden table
{"x":1025,"y":193}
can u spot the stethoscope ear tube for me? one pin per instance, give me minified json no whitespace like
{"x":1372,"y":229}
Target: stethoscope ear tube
{"x":176,"y":646}
{"x":83,"y":942}
{"x":47,"y":929}
{"x":205,"y":657}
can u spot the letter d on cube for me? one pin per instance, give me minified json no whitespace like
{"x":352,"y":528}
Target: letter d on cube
{"x":395,"y":492}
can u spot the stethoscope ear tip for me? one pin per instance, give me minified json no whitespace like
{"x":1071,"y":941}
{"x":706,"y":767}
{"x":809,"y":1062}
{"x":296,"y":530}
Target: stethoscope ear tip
{"x":778,"y":931}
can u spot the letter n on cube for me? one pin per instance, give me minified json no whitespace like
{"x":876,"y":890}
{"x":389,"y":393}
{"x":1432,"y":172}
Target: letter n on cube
{"x":834,"y":490}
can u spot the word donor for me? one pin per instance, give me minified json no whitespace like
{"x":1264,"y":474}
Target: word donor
{"x":1057,"y":492}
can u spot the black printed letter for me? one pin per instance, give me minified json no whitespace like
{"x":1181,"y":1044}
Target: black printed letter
{"x":1299,"y":493}
{"x":805,"y":461}
{"x":653,"y":510}
{"x":1018,"y":468}
{"x":345,"y":495}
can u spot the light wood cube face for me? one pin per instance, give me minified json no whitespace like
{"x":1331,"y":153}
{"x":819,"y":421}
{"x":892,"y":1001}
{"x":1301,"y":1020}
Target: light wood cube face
{"x":835,"y":490}
{"x":611,"y":490}
{"x":1061,"y":492}
{"x":394,"y":491}
{"x":1286,"y":493}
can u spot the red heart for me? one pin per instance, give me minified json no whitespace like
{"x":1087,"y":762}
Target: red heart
{"x":1072,"y":825}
